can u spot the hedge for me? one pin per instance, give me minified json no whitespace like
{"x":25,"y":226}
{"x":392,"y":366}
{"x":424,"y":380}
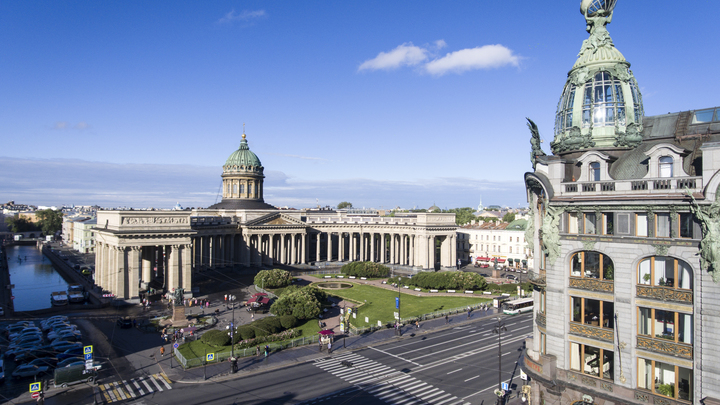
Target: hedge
{"x":275,"y":278}
{"x":216,"y":337}
{"x":365,"y":269}
{"x":445,"y":280}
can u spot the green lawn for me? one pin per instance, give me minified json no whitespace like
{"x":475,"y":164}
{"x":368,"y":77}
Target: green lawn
{"x":379,"y":303}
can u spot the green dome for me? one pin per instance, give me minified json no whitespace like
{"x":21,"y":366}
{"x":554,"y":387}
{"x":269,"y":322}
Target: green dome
{"x":243,"y":160}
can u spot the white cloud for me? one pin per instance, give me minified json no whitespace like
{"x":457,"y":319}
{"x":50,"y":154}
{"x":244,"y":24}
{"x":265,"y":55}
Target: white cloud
{"x":82,"y":125}
{"x":483,"y":57}
{"x":404,"y":55}
{"x":61,"y":125}
{"x":246,"y":15}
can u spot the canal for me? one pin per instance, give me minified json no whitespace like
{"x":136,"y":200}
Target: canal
{"x":34,"y":278}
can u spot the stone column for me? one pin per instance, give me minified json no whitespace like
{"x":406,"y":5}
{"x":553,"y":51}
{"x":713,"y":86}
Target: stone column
{"x":372,"y":248}
{"x":361,"y":238}
{"x":122,"y":273}
{"x":431,"y":252}
{"x":392,"y":248}
{"x":186,"y":268}
{"x":246,"y":249}
{"x":341,"y":246}
{"x":283,"y":253}
{"x":453,"y":250}
{"x":173,"y":271}
{"x":403,"y":250}
{"x":412,"y":250}
{"x":99,"y":265}
{"x":134,"y":263}
{"x":317,"y":246}
{"x":293,"y":249}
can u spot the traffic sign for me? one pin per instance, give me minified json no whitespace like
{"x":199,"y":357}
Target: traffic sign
{"x":505,"y":387}
{"x":88,"y":356}
{"x":35,"y":395}
{"x":35,"y":387}
{"x":176,"y":345}
{"x":87,"y":349}
{"x":210,"y":356}
{"x":88,"y":364}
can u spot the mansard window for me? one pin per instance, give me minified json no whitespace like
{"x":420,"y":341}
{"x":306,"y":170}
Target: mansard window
{"x":662,"y":225}
{"x":594,"y":171}
{"x":593,"y":312}
{"x":665,"y":168}
{"x":670,"y":325}
{"x":665,"y":379}
{"x":592,"y":265}
{"x":664,"y":271}
{"x":564,"y":117}
{"x":592,"y":361}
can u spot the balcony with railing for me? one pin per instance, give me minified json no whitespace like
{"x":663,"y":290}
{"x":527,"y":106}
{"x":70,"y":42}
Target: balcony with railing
{"x":642,"y":186}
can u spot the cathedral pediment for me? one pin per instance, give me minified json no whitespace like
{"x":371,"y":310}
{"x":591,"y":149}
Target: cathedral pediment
{"x":275,"y":219}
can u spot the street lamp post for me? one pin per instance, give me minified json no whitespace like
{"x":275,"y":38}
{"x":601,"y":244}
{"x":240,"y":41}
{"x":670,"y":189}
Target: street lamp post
{"x":233,"y":360}
{"x":499,"y":329}
{"x":399,"y":331}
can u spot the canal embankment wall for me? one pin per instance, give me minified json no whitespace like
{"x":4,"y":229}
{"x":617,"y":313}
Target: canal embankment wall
{"x":95,"y":299}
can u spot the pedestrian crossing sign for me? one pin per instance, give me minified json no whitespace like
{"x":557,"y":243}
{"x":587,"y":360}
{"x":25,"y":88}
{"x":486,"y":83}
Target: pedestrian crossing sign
{"x":505,"y":386}
{"x":88,"y":349}
{"x":35,"y":387}
{"x":210,"y":356}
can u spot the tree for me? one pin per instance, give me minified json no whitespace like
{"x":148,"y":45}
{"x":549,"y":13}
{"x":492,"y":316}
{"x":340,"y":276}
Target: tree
{"x":344,"y":205}
{"x":50,"y":221}
{"x":463,"y":215}
{"x":18,"y":224}
{"x":509,"y":217}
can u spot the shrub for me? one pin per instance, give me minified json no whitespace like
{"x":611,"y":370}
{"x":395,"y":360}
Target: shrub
{"x":445,"y":280}
{"x":288,"y":321}
{"x":365,"y":269}
{"x":216,"y":337}
{"x":271,"y":324}
{"x":275,"y":278}
{"x":246,"y":332}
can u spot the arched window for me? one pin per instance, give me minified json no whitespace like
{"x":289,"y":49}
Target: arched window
{"x":594,"y":171}
{"x":242,"y":189}
{"x":592,"y":265}
{"x":661,"y":271}
{"x":665,"y":168}
{"x":234,"y":189}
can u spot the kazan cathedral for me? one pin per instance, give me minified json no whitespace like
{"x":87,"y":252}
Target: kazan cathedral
{"x":162,"y":250}
{"x":632,"y":199}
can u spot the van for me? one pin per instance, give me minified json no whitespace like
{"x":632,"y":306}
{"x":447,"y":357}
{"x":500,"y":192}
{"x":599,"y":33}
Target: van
{"x":70,"y":375}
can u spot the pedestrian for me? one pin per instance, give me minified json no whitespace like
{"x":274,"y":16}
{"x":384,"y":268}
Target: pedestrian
{"x":417,"y":324}
{"x":329,"y":347}
{"x":225,"y":297}
{"x":252,"y":316}
{"x":207,"y":304}
{"x":446,"y":319}
{"x":257,"y":351}
{"x":162,"y":350}
{"x":320,"y":343}
{"x":469,"y":309}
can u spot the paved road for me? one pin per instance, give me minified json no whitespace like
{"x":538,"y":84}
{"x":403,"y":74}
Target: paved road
{"x":450,"y":365}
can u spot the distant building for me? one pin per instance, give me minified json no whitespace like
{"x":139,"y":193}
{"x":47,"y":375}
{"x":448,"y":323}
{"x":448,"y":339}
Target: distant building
{"x":84,"y":235}
{"x":486,"y":242}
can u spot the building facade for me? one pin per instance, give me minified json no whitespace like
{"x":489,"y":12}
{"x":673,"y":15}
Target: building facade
{"x":625,"y":227}
{"x":488,"y":241}
{"x":137,"y":250}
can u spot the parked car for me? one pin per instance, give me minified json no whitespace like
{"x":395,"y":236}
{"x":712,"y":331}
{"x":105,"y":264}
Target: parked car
{"x":12,"y":351}
{"x":59,"y":344}
{"x":70,"y":353}
{"x":68,"y":338}
{"x":27,"y":370}
{"x":33,"y":330}
{"x":29,"y":354}
{"x":124,"y":322}
{"x":34,"y":340}
{"x":73,"y":374}
{"x":48,"y":323}
{"x":65,"y":332}
{"x":70,"y":361}
{"x":2,"y":371}
{"x":44,"y":361}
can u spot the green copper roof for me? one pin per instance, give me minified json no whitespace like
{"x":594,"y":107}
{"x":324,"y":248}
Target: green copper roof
{"x":243,"y":158}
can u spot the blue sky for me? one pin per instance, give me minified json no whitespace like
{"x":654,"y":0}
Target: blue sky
{"x":383,"y":104}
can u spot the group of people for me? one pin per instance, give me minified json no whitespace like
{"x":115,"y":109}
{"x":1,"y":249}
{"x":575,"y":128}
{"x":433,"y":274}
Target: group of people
{"x":175,"y":336}
{"x":267,"y":351}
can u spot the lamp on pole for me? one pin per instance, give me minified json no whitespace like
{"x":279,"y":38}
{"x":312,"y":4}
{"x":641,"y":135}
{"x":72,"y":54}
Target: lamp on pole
{"x":233,"y":360}
{"x":499,"y":329}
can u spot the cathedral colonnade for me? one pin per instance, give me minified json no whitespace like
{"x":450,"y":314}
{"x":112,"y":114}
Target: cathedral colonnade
{"x":139,"y":250}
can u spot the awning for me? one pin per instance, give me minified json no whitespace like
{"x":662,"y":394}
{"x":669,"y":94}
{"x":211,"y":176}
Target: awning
{"x":524,"y":262}
{"x":259,"y":295}
{"x":501,"y":260}
{"x":483,"y":259}
{"x":517,"y":260}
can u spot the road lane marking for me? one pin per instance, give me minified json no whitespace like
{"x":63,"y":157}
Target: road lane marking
{"x":472,"y":378}
{"x":397,"y":357}
{"x":129,"y":389}
{"x":455,"y":371}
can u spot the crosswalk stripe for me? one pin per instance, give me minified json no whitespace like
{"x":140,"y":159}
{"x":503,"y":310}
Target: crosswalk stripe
{"x":125,"y":390}
{"x":129,"y":389}
{"x":150,"y":390}
{"x":137,"y":386}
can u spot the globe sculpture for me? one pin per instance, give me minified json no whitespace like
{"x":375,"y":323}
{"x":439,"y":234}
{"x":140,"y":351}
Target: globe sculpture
{"x":594,"y":8}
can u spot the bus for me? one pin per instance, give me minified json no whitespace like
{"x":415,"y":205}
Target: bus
{"x":518,"y":306}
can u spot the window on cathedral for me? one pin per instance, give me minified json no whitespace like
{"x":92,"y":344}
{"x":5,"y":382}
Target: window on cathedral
{"x":573,"y":226}
{"x":590,"y":221}
{"x":661,"y":271}
{"x":665,"y":379}
{"x":592,"y":361}
{"x":670,"y":325}
{"x":592,"y":265}
{"x":608,"y":223}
